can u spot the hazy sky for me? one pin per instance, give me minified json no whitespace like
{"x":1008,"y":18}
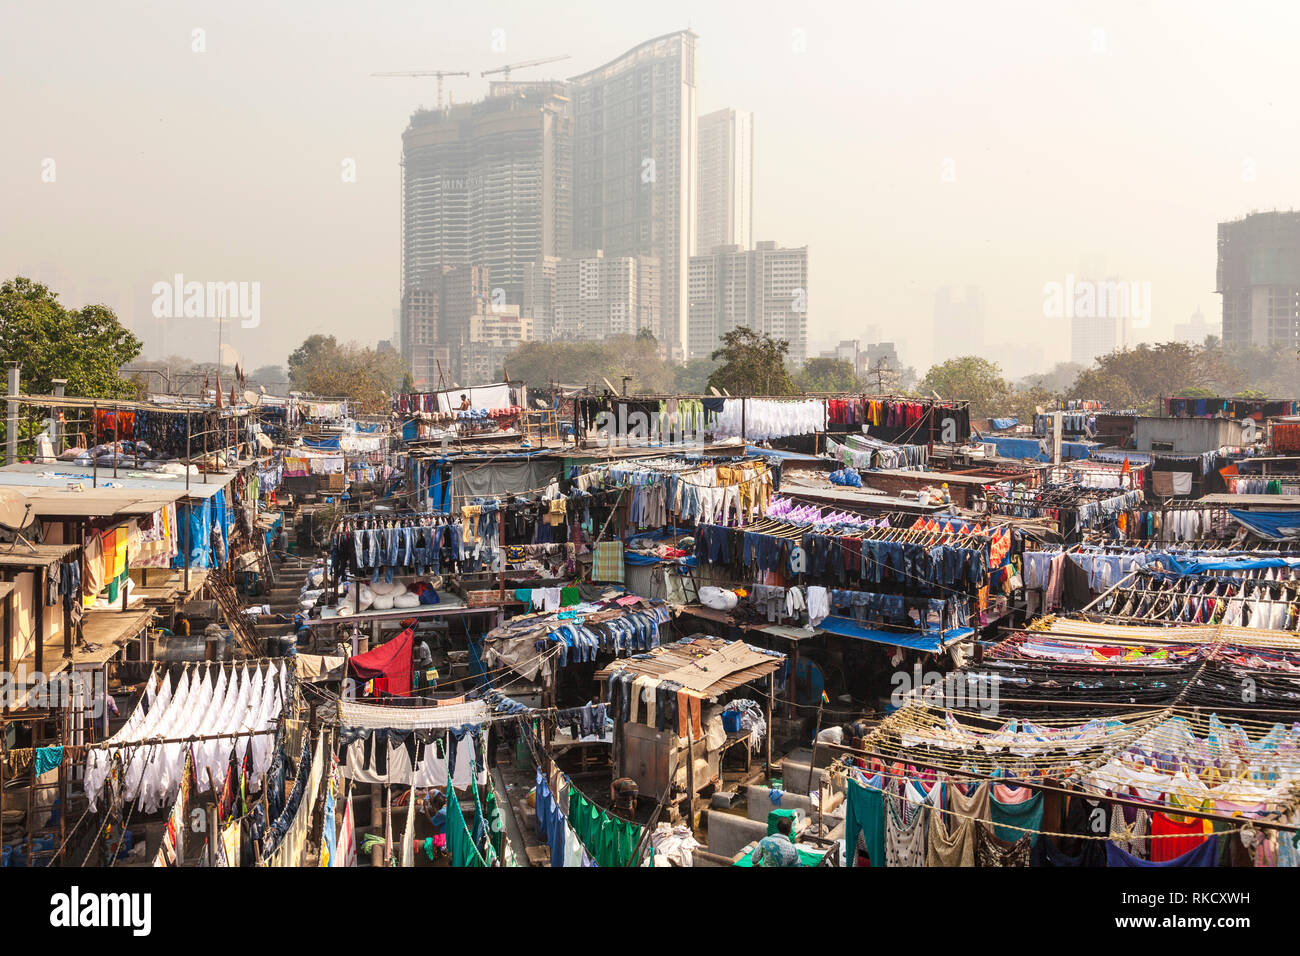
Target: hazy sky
{"x":1076,"y":137}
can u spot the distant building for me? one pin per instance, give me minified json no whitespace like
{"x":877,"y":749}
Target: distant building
{"x":1259,"y":279}
{"x":436,"y":316}
{"x":492,"y":335}
{"x":486,"y":185}
{"x":725,"y":167}
{"x":958,"y":323}
{"x":634,"y":166}
{"x":878,"y":362}
{"x":1195,"y":330}
{"x":590,"y":296}
{"x":539,"y":296}
{"x":1093,"y":336}
{"x":765,"y":288}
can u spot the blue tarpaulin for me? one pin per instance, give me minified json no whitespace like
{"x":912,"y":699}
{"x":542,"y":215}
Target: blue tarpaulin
{"x":1001,"y":423}
{"x":1277,"y":525}
{"x":918,"y":641}
{"x":330,"y":444}
{"x":1010,"y":447}
{"x":1199,"y":565}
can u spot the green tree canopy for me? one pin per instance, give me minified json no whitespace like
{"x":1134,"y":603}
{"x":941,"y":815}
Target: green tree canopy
{"x":972,"y":378}
{"x":753,"y":363}
{"x":692,"y":378}
{"x":86,"y":346}
{"x":590,"y":363}
{"x":1138,"y":377}
{"x":827,"y":375}
{"x":322,"y":366}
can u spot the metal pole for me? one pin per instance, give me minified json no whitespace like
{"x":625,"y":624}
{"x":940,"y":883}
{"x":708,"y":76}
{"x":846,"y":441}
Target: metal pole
{"x":56,"y":427}
{"x":11,"y":422}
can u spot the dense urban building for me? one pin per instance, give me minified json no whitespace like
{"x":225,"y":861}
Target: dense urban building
{"x":592,"y":296}
{"x":725,"y":167}
{"x":437,"y":314}
{"x":492,"y":334}
{"x":1259,"y":279}
{"x":634,"y":166}
{"x":486,"y":184}
{"x":764,"y":288}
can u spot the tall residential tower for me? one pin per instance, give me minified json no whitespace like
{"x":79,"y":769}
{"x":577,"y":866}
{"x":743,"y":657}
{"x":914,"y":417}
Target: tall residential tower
{"x":634,"y":166}
{"x":725,"y":206}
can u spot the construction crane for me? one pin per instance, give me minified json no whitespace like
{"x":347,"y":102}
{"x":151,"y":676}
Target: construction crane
{"x":505,"y":70}
{"x":438,"y":73}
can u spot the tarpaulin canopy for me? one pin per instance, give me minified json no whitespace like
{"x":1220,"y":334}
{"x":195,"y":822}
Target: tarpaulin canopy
{"x":1199,"y":565}
{"x":391,"y":661}
{"x":1276,"y":525}
{"x":916,"y":640}
{"x":327,"y":443}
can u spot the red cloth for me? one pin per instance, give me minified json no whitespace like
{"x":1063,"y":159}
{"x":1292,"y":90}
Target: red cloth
{"x":1190,"y":835}
{"x":391,"y":661}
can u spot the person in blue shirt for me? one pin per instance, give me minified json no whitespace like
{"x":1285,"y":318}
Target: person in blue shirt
{"x":777,"y":849}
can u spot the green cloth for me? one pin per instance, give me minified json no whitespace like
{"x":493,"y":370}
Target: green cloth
{"x":524,"y":595}
{"x":460,"y":843}
{"x":1027,"y":815}
{"x":609,"y":840}
{"x":865,"y":813}
{"x":775,"y":815}
{"x":569,"y":597}
{"x":806,"y":857}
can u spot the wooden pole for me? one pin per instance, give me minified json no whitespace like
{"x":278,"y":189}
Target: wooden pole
{"x":771,"y":696}
{"x":690,"y":778}
{"x":812,"y":760}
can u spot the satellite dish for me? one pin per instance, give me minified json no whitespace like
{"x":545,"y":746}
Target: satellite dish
{"x":251,"y":397}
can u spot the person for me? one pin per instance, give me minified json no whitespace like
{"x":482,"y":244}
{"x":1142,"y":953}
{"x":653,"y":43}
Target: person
{"x":777,"y":849}
{"x":464,"y":403}
{"x":181,"y":626}
{"x":623,"y":794}
{"x":282,"y":544}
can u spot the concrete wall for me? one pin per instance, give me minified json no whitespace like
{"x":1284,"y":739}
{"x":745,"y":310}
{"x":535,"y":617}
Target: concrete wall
{"x":1188,"y":435}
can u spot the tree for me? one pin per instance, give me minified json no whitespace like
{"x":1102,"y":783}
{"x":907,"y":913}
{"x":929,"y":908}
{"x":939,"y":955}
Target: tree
{"x":1058,"y":379}
{"x":591,"y":363}
{"x":321,"y":366}
{"x":827,"y":375}
{"x":692,"y":378}
{"x":87,"y":346}
{"x":1022,"y":404}
{"x":1139,"y":377}
{"x":272,"y":376}
{"x":753,"y":363}
{"x":969,"y":377}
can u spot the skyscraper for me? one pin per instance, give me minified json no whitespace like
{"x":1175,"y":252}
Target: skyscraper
{"x":764,"y":288}
{"x":725,"y":167}
{"x":634,"y":165}
{"x":1259,"y":279}
{"x":487,"y":184}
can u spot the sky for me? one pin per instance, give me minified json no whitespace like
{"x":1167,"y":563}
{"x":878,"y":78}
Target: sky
{"x":910,"y":146}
